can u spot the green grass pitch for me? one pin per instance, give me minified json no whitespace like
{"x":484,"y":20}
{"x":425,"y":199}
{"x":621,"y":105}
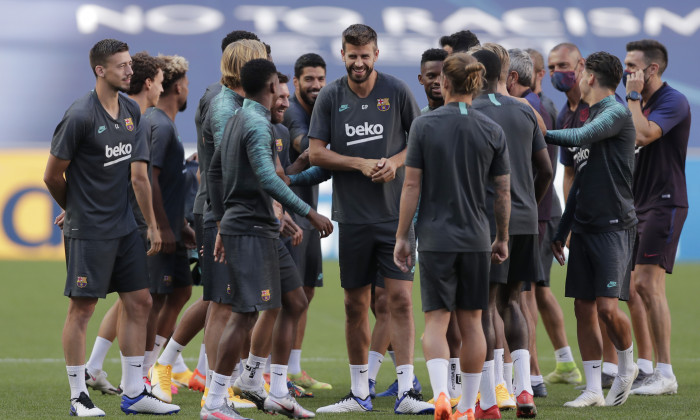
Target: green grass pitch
{"x":33,"y":381}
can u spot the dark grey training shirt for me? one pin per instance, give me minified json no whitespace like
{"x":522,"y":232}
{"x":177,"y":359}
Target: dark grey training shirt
{"x":458,"y":149}
{"x":168,"y":154}
{"x":373,"y":127}
{"x":100,"y":149}
{"x":524,"y":138}
{"x":297,"y":122}
{"x":203,"y":156}
{"x":140,"y":153}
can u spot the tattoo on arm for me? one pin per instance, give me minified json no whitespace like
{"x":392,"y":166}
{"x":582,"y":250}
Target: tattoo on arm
{"x":501,"y":205}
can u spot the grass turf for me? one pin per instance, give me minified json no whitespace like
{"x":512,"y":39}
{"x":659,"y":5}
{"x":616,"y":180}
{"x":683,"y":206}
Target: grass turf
{"x":34,"y":385}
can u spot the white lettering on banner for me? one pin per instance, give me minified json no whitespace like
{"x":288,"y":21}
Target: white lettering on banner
{"x":656,"y":18}
{"x":325,"y":21}
{"x":613,"y":22}
{"x":184,"y":19}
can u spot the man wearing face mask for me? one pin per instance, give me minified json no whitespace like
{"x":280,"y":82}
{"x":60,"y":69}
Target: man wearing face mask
{"x":661,"y":117}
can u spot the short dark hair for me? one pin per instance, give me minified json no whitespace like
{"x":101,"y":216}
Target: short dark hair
{"x":255,"y":75}
{"x":145,"y":67}
{"x":234,"y":36}
{"x":359,"y":35}
{"x":491,"y":63}
{"x":100,"y":52}
{"x":460,"y":41}
{"x":283,"y":77}
{"x":654,"y":52}
{"x":433,"y":54}
{"x":606,"y":67}
{"x":308,"y":60}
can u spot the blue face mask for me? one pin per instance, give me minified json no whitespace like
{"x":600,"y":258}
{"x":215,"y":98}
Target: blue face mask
{"x":563,"y":80}
{"x":625,"y":75}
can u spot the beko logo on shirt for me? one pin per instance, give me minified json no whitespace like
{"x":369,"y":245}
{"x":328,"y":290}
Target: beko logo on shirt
{"x":121,"y":151}
{"x":373,"y":130}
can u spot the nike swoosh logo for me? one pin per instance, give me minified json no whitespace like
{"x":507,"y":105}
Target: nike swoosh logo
{"x":399,"y":373}
{"x":219,"y":383}
{"x":278,"y":374}
{"x":136,"y":365}
{"x":73,"y":375}
{"x":179,"y":351}
{"x":596,"y":367}
{"x":363,"y":371}
{"x":650,"y":255}
{"x":101,"y":129}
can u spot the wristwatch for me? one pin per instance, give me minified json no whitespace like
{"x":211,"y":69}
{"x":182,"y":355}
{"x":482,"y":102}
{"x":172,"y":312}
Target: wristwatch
{"x":634,"y":95}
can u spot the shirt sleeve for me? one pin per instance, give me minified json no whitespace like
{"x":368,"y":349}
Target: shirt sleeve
{"x":500,"y":165}
{"x":414,"y":155}
{"x":311,"y":176}
{"x":538,"y":139}
{"x":670,"y":112}
{"x":161,"y":134}
{"x":68,"y":135}
{"x":220,"y":113}
{"x":320,"y":127}
{"x":605,"y":125}
{"x":261,"y":159}
{"x":297,"y":126}
{"x":140,"y":152}
{"x":215,"y":185}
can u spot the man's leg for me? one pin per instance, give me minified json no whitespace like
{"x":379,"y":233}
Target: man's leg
{"x":591,"y":347}
{"x":553,"y":320}
{"x":381,"y":336}
{"x":620,"y":332}
{"x":472,"y":356}
{"x":529,"y":308}
{"x":454,"y":342}
{"x":650,"y":282}
{"x":437,"y":352}
{"x":642,"y":337}
{"x":95,"y":377}
{"x":402,"y":329}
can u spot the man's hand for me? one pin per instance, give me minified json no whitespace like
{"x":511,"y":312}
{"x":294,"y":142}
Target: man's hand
{"x":403,"y":257}
{"x":369,"y":167}
{"x":635,"y":82}
{"x":499,"y":251}
{"x":219,"y":253}
{"x":558,"y":251}
{"x":58,"y":221}
{"x":386,"y":171}
{"x":321,"y":223}
{"x":155,"y":240}
{"x":168,"y":240}
{"x":188,"y":237}
{"x":304,"y":157}
{"x":289,"y":228}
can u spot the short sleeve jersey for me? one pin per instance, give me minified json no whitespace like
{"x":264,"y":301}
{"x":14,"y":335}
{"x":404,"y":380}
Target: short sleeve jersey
{"x":458,"y":149}
{"x":100,"y":149}
{"x":524,"y":138}
{"x":140,"y":153}
{"x":168,"y":154}
{"x":199,"y":118}
{"x":659,"y":177}
{"x":297,"y":121}
{"x":374,"y":127}
{"x":221,"y":108}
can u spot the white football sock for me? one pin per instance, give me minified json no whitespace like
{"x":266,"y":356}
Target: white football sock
{"x":359,"y":381}
{"x":592,"y":370}
{"x":610,"y":368}
{"x":278,"y":380}
{"x":438,"y":371}
{"x":132,"y":376}
{"x":404,"y":373}
{"x":487,"y":386}
{"x":252,"y":376}
{"x":218,"y":390}
{"x":295,"y":362}
{"x":498,"y":367}
{"x":536,"y":380}
{"x":454,"y":381}
{"x":521,"y":363}
{"x":665,"y":369}
{"x":158,"y":345}
{"x":172,"y":350}
{"x":76,"y":380}
{"x":202,"y":362}
{"x":645,"y":366}
{"x":470,"y":387}
{"x":98,"y":355}
{"x":508,"y":376}
{"x":563,"y":355}
{"x":375,"y":362}
{"x":625,"y":361}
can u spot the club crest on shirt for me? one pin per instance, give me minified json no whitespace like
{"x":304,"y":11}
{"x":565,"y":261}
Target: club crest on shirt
{"x":265,"y":295}
{"x":583,"y":116}
{"x":167,"y":280}
{"x":228,"y":289}
{"x":81,"y":282}
{"x":383,"y":104}
{"x":129,"y":124}
{"x":279,"y":145}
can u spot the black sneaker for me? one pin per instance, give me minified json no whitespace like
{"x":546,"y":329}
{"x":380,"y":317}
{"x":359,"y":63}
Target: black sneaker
{"x":539,"y":390}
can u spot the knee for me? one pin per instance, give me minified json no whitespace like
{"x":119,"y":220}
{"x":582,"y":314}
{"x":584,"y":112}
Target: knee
{"x":606,"y":313}
{"x":401,"y":302}
{"x":81,"y":310}
{"x":296,"y":303}
{"x":309,"y":292}
{"x":355,"y":309}
{"x":139,"y":302}
{"x":645,"y":288}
